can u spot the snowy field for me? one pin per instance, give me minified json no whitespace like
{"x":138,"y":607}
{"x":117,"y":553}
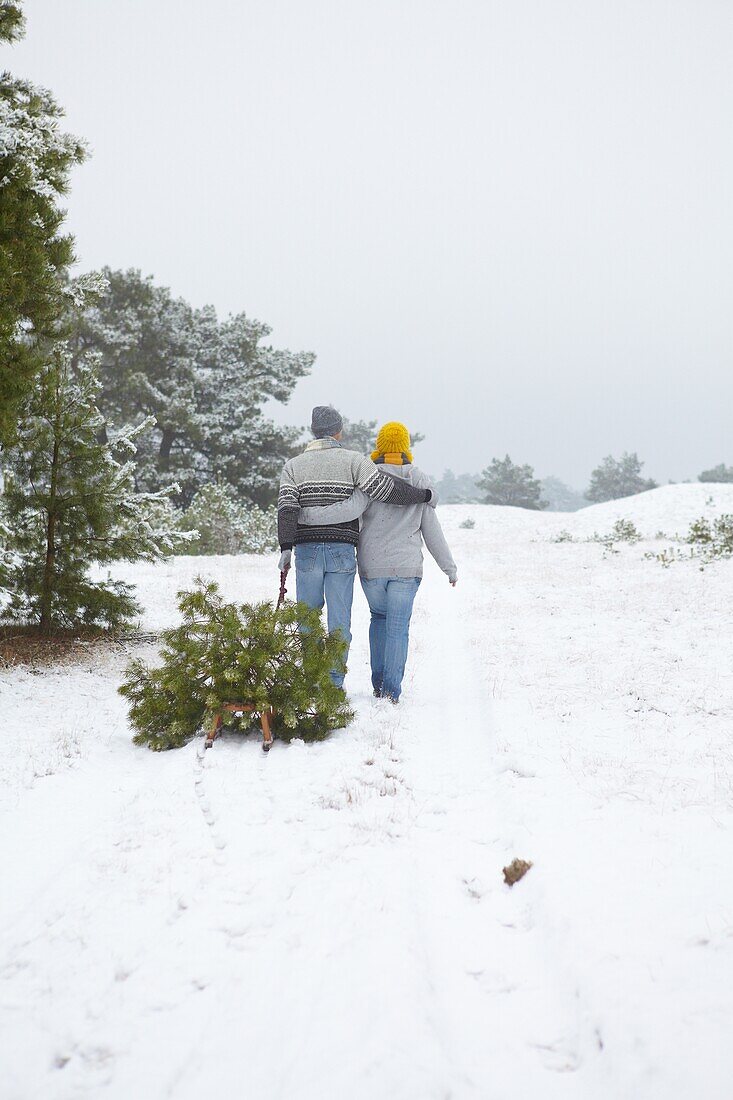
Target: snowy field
{"x":331,"y":921}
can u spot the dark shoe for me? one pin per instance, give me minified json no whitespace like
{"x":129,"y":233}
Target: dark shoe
{"x":377,"y":693}
{"x":392,"y":700}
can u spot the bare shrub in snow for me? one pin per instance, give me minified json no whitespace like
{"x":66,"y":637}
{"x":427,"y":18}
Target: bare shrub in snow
{"x":712,"y":540}
{"x":623,"y":530}
{"x":708,"y":541}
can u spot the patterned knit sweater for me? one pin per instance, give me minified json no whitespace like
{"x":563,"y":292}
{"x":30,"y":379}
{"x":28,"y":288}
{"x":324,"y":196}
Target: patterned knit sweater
{"x":327,"y":473}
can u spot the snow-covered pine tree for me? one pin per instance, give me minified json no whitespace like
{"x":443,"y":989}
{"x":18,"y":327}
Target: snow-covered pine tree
{"x":504,"y":482}
{"x":70,"y":503}
{"x":225,"y":526}
{"x":238,"y":653}
{"x":258,"y":530}
{"x":36,"y":158}
{"x":12,"y":21}
{"x":618,"y":477}
{"x":7,"y":554}
{"x":237,"y":373}
{"x":204,"y":380}
{"x":146,"y":342}
{"x":214,"y":516}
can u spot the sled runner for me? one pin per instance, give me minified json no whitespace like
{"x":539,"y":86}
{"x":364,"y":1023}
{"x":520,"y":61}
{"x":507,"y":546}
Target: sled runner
{"x":242,"y":708}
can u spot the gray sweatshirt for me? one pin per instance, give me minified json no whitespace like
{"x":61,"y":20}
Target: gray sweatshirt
{"x":390,"y":543}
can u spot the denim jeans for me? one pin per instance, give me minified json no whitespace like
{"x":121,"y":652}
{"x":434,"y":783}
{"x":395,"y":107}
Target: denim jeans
{"x":390,"y":601}
{"x":326,"y":570}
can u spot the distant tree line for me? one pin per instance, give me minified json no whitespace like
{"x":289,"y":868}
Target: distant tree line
{"x":508,"y":483}
{"x":718,"y":473}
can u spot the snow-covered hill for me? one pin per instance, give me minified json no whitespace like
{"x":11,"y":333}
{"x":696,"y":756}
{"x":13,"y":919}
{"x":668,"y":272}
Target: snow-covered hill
{"x":331,"y":920}
{"x":670,"y":510}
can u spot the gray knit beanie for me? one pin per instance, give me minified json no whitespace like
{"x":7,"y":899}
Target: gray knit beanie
{"x":325,"y":421}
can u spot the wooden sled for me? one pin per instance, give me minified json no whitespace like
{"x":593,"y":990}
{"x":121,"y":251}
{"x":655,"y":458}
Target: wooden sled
{"x":266,"y":716}
{"x":240,"y":708}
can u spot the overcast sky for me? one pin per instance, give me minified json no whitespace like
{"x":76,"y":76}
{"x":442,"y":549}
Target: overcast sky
{"x":505,"y":222}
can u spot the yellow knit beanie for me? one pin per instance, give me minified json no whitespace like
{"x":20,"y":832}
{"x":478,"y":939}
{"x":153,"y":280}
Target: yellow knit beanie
{"x":393,"y":441}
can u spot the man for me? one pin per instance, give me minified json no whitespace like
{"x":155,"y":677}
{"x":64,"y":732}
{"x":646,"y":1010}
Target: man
{"x":325,"y":555}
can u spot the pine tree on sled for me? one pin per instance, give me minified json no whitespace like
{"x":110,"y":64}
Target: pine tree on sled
{"x":228,"y":664}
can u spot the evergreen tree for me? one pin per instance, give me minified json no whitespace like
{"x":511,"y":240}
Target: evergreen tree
{"x":457,"y":488}
{"x":12,"y":21}
{"x":203,"y":380}
{"x":8,"y":557}
{"x":359,"y":435}
{"x":69,"y":503}
{"x":447,"y":488}
{"x":237,"y":374}
{"x":503,"y":482}
{"x":224,"y":526}
{"x":146,"y":343}
{"x":718,"y":473}
{"x":35,"y":161}
{"x":616,"y":478}
{"x":560,"y":497}
{"x":238,"y":653}
{"x":711,"y":540}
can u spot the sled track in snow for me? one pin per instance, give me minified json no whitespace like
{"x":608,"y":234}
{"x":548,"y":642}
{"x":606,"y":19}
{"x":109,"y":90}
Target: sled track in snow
{"x":347,"y":894}
{"x":199,"y":785}
{"x":403,"y":844}
{"x":338,"y":924}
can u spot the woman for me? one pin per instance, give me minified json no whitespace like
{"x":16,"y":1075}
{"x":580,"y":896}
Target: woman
{"x":390,"y":557}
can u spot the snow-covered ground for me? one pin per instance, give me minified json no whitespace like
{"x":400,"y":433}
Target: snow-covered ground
{"x":331,"y":920}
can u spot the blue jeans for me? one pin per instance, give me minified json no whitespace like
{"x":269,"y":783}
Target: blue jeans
{"x":326,"y":570}
{"x":390,"y":602}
